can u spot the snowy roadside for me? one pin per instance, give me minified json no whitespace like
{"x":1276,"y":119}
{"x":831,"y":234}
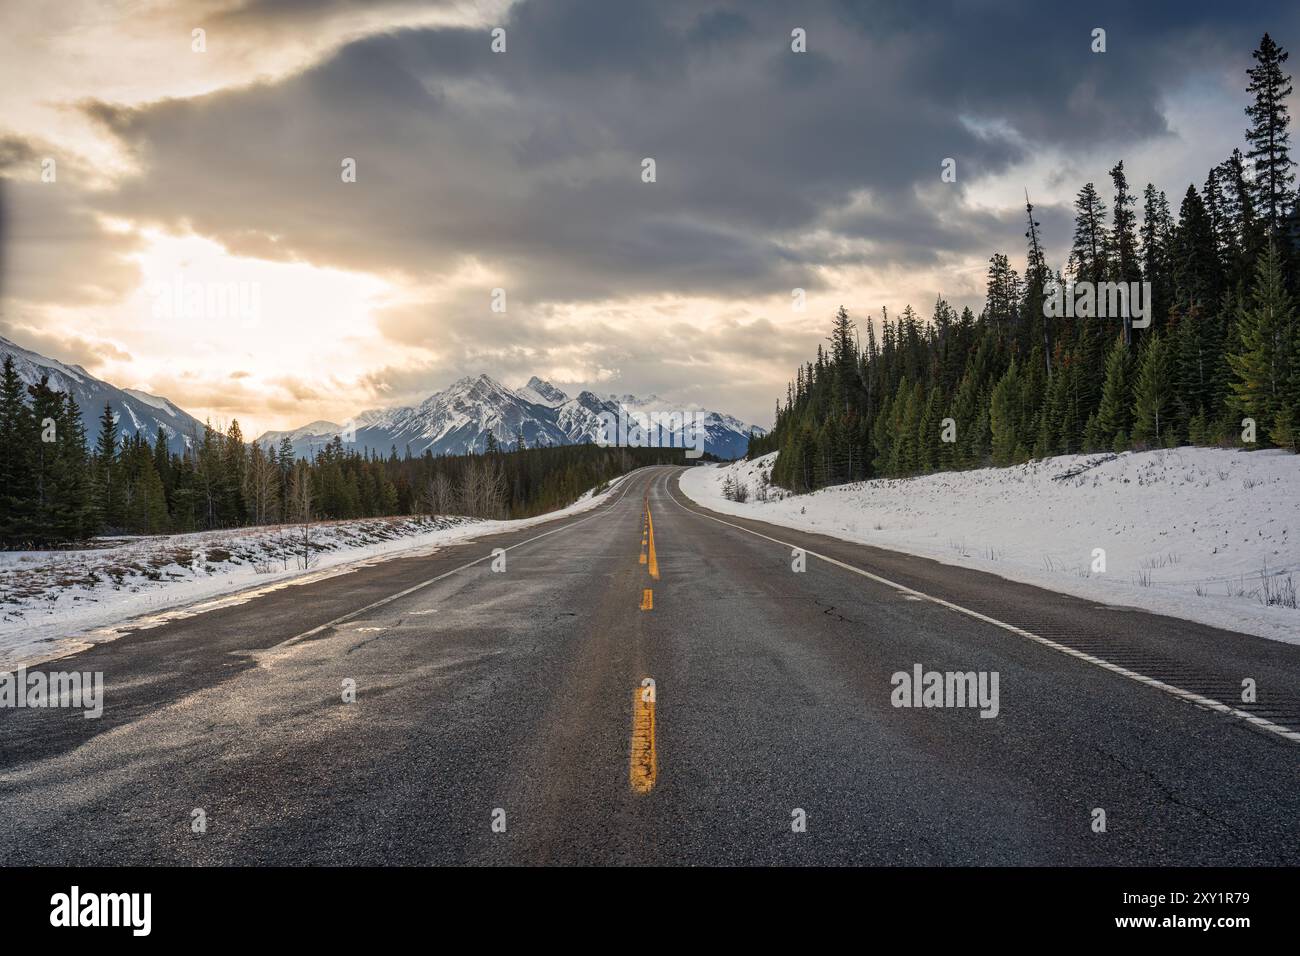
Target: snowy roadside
{"x":1202,"y":534}
{"x":54,"y":603}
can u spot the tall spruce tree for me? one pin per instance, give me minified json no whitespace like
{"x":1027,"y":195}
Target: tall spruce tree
{"x":47,"y":478}
{"x":1005,"y":417}
{"x":1114,"y":415}
{"x":109,"y":480}
{"x":1153,"y":394}
{"x":1261,"y":361}
{"x":1155,"y":238}
{"x":1037,"y":276}
{"x":1197,"y":273}
{"x":1088,"y":255}
{"x":17,"y":447}
{"x":74,"y":516}
{"x":1125,"y":264}
{"x":1003,"y":294}
{"x":1247,"y":238}
{"x":1269,"y":136}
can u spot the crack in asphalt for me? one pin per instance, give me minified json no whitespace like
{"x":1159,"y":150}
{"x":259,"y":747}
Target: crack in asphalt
{"x":829,"y":610}
{"x":1173,"y":797}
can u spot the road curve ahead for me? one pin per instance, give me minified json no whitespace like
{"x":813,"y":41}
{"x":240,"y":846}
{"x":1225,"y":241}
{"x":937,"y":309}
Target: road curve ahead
{"x":649,"y":683}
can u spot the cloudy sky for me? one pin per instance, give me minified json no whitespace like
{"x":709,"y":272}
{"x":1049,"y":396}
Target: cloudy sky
{"x":214,"y":162}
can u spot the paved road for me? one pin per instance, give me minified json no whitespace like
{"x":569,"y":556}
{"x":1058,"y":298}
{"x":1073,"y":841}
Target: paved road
{"x":517,"y":696}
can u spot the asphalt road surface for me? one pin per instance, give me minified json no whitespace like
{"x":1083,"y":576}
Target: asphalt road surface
{"x":661,"y":688}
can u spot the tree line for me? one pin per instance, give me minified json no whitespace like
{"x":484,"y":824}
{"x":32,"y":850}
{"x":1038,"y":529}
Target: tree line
{"x":54,"y":489}
{"x":1219,"y":362}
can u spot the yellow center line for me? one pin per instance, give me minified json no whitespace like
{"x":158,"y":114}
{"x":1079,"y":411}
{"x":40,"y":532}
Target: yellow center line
{"x":644,"y":765}
{"x":653,"y":561}
{"x":647,"y":600}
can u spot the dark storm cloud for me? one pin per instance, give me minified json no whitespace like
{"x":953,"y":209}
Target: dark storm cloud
{"x":529,"y":162}
{"x":56,"y":247}
{"x":16,"y":151}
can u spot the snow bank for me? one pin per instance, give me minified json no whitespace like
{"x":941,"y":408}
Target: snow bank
{"x":1202,"y":534}
{"x":54,"y":603}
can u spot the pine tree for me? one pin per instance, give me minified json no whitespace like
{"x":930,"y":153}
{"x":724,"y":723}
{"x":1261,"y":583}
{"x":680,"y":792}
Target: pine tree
{"x":1225,"y":240}
{"x":1088,"y":255}
{"x":964,"y":410}
{"x":930,"y":449}
{"x":1247,"y":238}
{"x":1124,"y":262}
{"x":1051,"y":418}
{"x":844,"y":361}
{"x":162,"y":461}
{"x":110,"y":486}
{"x":1153,"y":394}
{"x":1004,"y":417}
{"x":74,"y":508}
{"x":1036,"y":278}
{"x":908,"y":428}
{"x":184,"y":499}
{"x":1114,"y":414}
{"x":146,"y":511}
{"x":1268,"y":135}
{"x":207,"y":478}
{"x":17,"y":445}
{"x":1289,"y":415}
{"x":234,"y":465}
{"x":1192,"y":359}
{"x":1197,"y":272}
{"x":1071,"y":412}
{"x":47,"y":463}
{"x":1261,"y":362}
{"x":1003,"y":294}
{"x":1156,"y":236}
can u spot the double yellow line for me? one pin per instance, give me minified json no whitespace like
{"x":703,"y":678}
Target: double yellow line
{"x":650,"y":526}
{"x":649,"y":556}
{"x":643,"y":766}
{"x":648,"y":553}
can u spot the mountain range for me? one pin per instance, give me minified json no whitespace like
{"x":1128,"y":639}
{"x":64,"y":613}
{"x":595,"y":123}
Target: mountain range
{"x":453,"y":421}
{"x":136,"y":411}
{"x":459,"y":419}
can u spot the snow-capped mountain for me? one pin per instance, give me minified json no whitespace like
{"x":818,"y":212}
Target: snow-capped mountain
{"x":543,"y":393}
{"x":137,"y":411}
{"x":460,"y":418}
{"x":453,"y":421}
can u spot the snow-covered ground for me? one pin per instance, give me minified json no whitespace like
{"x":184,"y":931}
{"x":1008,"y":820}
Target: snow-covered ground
{"x":1202,"y":534}
{"x":54,"y":603}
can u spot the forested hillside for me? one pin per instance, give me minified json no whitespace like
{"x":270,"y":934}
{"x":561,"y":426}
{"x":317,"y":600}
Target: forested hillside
{"x":1219,"y":363}
{"x":55,"y":489}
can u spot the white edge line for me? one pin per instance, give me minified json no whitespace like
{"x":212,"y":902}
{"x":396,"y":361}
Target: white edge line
{"x":1178,"y":692}
{"x":299,"y":638}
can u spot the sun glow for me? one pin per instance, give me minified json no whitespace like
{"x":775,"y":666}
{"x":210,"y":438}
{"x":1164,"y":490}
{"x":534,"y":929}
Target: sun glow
{"x":220,"y":334}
